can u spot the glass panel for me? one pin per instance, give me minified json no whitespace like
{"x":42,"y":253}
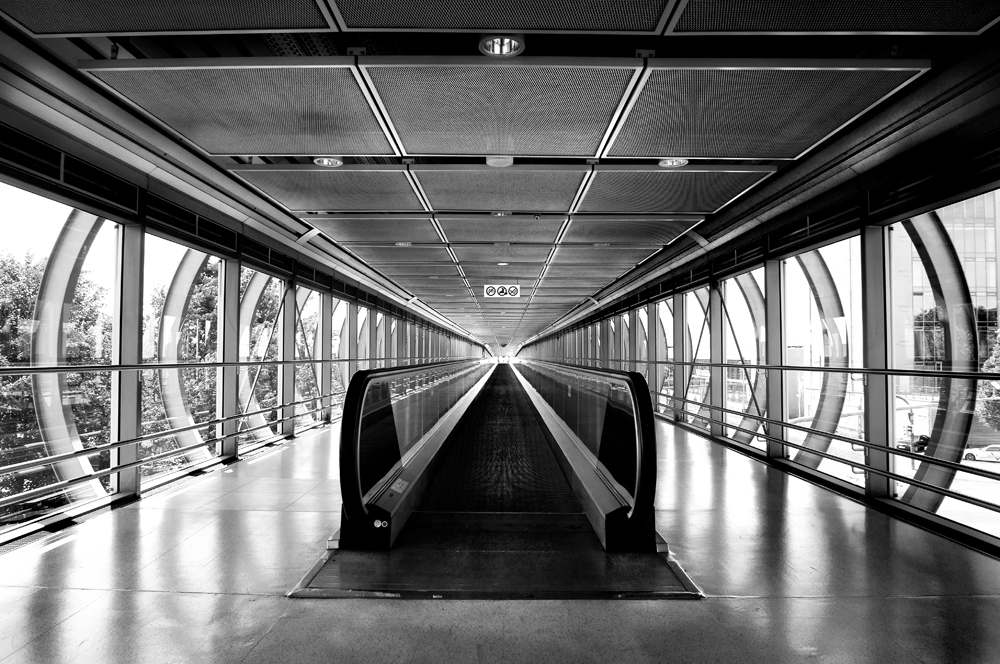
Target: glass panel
{"x":179,"y":325}
{"x":57,"y":274}
{"x":260,"y":309}
{"x":363,"y":353}
{"x":698,"y":346}
{"x":944,"y":320}
{"x":743,"y":330}
{"x":663,"y":383}
{"x":642,"y":343}
{"x":307,"y":373}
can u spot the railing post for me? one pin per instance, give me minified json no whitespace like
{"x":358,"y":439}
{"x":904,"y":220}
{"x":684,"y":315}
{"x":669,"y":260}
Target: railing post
{"x":286,"y":351}
{"x":880,"y":411}
{"x":227,"y":390}
{"x":717,"y":353}
{"x":126,"y":348}
{"x":774,"y":351}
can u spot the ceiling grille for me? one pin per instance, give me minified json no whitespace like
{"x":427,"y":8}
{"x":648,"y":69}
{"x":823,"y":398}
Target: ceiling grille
{"x":925,"y":16}
{"x":747,"y":113}
{"x":507,"y":110}
{"x":665,"y":191}
{"x":256,"y":110}
{"x":496,"y":190}
{"x":117,"y":16}
{"x":585,"y":16}
{"x":336,"y":190}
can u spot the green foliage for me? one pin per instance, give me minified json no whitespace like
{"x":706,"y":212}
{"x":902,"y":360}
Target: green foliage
{"x":988,"y":392}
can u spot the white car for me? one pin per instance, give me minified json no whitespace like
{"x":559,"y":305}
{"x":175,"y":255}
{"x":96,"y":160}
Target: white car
{"x":988,"y":453}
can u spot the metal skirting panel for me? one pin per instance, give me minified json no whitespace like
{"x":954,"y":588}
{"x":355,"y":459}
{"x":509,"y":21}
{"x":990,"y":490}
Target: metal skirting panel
{"x":498,"y":190}
{"x":665,"y":191}
{"x":528,"y":107}
{"x":773,"y":111}
{"x":280,"y":106}
{"x":642,"y":16}
{"x":851,"y":16}
{"x":336,"y":190}
{"x":617,"y":230}
{"x":166,"y":16}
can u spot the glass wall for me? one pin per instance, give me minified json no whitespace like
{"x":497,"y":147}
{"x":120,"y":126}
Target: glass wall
{"x":698,"y":347}
{"x":261,"y":304}
{"x":743,"y":331}
{"x":307,"y":351}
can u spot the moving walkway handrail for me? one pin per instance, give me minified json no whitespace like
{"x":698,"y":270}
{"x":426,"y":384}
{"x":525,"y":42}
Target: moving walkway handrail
{"x":645,"y":430}
{"x":350,"y":432}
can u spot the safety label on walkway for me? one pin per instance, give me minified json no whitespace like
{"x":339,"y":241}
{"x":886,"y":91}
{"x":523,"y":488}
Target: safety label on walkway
{"x":506,"y":290}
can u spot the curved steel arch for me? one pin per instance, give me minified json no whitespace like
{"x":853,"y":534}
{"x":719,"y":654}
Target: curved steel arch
{"x":172,"y":394}
{"x":957,"y":396}
{"x":53,"y":308}
{"x":834,"y":388}
{"x":247,"y":398}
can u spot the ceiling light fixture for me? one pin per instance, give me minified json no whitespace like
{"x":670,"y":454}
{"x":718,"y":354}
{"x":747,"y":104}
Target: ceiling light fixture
{"x":501,"y":46}
{"x":404,"y":244}
{"x":328,"y":162}
{"x":672,"y":162}
{"x":501,"y":263}
{"x":500,"y":161}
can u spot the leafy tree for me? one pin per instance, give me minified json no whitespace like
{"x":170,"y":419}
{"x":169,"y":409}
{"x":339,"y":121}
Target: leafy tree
{"x":988,"y":392}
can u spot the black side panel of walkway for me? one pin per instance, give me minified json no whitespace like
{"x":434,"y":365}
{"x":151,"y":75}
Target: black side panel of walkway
{"x":498,"y":458}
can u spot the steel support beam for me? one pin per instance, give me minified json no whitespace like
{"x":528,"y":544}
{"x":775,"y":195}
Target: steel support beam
{"x":682,"y":353}
{"x":126,"y":348}
{"x":324,"y":352}
{"x":286,"y":351}
{"x":717,"y":352}
{"x":775,"y":355}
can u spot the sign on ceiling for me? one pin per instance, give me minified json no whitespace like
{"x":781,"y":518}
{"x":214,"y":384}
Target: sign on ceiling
{"x":505,"y":290}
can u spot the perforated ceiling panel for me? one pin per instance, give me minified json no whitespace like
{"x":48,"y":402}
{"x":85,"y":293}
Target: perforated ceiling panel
{"x":404,"y":271}
{"x":597,"y":255}
{"x":505,"y":109}
{"x":514,"y":270}
{"x":336,"y":190}
{"x":743,"y":113}
{"x":922,"y":16}
{"x":269,"y":108}
{"x":586,"y":16}
{"x":665,"y":191}
{"x":379,"y":255}
{"x":621,"y":230}
{"x":489,"y":253}
{"x":376,"y":230}
{"x":514,"y":189}
{"x":501,"y":229}
{"x":119,"y":16}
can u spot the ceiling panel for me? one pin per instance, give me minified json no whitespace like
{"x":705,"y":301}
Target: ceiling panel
{"x":743,"y":109}
{"x":512,"y":189}
{"x":621,"y":190}
{"x":641,"y":16}
{"x":618,"y":229}
{"x":253,"y":106}
{"x":115,"y":16}
{"x":503,"y":253}
{"x":524,"y":106}
{"x":376,"y":229}
{"x":513,"y":228}
{"x":845,"y":16}
{"x":346,"y":189}
{"x":402,"y":271}
{"x":494,"y":272}
{"x":396,"y":255}
{"x":598,"y":256}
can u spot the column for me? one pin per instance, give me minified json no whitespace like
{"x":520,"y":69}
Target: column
{"x":227,"y":388}
{"x":879,"y":390}
{"x":126,"y":348}
{"x":775,"y":352}
{"x":286,"y":353}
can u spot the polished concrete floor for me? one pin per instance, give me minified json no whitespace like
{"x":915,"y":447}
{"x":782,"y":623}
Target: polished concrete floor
{"x":792,"y":573}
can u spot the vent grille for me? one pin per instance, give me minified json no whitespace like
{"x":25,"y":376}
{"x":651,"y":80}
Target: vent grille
{"x":25,"y":152}
{"x":508,"y":110}
{"x":340,"y":190}
{"x":257,"y":110}
{"x":933,"y":16}
{"x":665,"y":191}
{"x":501,"y":190}
{"x":116,"y":16}
{"x":748,"y":113}
{"x":586,"y":16}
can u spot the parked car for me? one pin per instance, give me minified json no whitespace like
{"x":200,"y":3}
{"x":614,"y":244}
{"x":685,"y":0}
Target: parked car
{"x":988,"y":453}
{"x":919,"y":445}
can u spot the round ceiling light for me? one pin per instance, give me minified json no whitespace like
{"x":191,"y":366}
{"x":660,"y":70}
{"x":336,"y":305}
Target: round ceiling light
{"x":673,"y":163}
{"x":501,"y":46}
{"x":500,"y":161}
{"x":329,"y":162}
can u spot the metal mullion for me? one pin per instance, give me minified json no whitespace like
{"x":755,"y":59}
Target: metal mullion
{"x":228,"y":341}
{"x":126,"y":386}
{"x":324,"y":329}
{"x":352,"y":341}
{"x":774,"y":355}
{"x":717,"y":393}
{"x":682,"y":351}
{"x":879,"y":417}
{"x":286,"y":350}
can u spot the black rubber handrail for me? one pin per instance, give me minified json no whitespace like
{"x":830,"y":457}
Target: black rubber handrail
{"x":350,"y":432}
{"x":645,"y":429}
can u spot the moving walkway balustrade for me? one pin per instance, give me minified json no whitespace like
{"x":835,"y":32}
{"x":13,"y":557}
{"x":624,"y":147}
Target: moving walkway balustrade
{"x":397,"y":425}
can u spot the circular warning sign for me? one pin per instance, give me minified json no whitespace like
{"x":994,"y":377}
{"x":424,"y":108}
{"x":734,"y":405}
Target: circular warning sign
{"x":502,"y":290}
{"x":490,"y":291}
{"x":512,"y":291}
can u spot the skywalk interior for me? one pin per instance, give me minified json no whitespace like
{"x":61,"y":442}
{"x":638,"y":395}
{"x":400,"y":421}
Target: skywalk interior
{"x":651,"y":330}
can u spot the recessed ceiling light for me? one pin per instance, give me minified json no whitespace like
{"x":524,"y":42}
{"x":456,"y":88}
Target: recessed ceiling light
{"x":502,"y":263}
{"x":501,"y":46}
{"x":673,"y":163}
{"x":433,"y":277}
{"x":499,"y":161}
{"x":602,"y":244}
{"x":329,"y":162}
{"x":404,"y":244}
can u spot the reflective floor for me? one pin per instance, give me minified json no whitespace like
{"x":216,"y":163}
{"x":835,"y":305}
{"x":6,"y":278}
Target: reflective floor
{"x":792,"y":573}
